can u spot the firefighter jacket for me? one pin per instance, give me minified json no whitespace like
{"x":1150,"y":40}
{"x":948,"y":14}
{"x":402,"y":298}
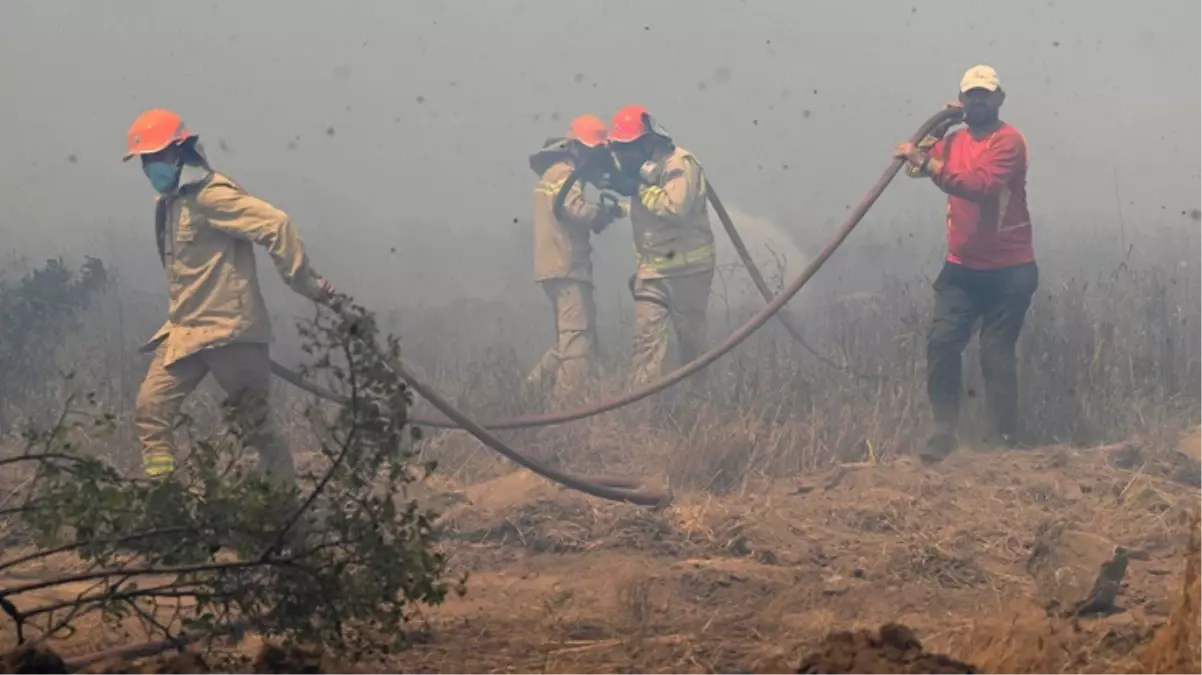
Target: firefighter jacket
{"x":670,"y":220}
{"x":206,"y":230}
{"x":562,"y":249}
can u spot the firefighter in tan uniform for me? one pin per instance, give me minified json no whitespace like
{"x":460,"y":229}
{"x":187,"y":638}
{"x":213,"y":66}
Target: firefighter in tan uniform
{"x":672,"y":239}
{"x":563,"y":255}
{"x":205,"y":227}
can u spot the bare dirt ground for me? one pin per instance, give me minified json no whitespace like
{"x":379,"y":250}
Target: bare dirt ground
{"x":756,"y":580}
{"x":974,"y":558}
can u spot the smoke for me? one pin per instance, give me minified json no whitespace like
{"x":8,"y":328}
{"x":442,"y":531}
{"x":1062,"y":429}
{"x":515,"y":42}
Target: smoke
{"x":775,"y":252}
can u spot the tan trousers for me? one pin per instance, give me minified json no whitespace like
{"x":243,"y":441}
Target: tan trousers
{"x":243,"y":370}
{"x":684,"y":300}
{"x":572,"y":360}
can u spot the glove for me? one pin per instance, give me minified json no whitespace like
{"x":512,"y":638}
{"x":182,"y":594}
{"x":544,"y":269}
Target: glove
{"x":615,"y":206}
{"x":651,"y":172}
{"x":603,"y":221}
{"x":325,"y":291}
{"x":611,"y":210}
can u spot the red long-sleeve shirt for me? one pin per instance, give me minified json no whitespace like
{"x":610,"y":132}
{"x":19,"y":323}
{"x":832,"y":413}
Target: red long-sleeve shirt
{"x":988,"y":225}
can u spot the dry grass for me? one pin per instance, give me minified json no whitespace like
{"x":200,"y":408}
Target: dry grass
{"x":800,"y":509}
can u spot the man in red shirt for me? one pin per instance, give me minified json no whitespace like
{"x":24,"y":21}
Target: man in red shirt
{"x":990,"y":272}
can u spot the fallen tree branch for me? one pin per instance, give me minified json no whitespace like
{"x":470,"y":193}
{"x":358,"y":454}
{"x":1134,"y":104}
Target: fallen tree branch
{"x":153,"y":647}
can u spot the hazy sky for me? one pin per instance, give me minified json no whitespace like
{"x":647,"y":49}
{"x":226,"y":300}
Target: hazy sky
{"x":393,"y":124}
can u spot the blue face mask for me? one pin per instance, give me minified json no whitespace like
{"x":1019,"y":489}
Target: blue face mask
{"x":162,"y":175}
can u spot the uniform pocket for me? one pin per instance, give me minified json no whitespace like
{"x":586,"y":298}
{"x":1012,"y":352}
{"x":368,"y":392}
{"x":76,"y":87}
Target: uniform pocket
{"x":185,"y":227}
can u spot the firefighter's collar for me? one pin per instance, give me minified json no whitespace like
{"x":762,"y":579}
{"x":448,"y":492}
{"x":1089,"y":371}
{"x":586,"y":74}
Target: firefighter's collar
{"x":192,"y":174}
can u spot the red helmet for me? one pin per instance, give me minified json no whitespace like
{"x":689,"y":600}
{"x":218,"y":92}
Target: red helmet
{"x":630,"y":124}
{"x":588,"y":130}
{"x":154,"y":130}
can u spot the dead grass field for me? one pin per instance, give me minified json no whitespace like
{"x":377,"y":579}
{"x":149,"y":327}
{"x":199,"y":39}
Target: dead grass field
{"x":752,"y":582}
{"x":755,"y":581}
{"x":800,"y":510}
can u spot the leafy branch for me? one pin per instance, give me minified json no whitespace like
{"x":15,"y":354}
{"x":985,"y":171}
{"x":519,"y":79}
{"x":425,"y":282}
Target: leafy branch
{"x":339,"y":559}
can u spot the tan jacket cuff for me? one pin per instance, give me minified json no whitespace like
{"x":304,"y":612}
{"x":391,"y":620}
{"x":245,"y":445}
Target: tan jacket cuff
{"x":310,"y":284}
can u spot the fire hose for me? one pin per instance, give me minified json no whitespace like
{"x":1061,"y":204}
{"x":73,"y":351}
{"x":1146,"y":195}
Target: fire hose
{"x":761,"y":285}
{"x":452,"y":418}
{"x":456,"y":419}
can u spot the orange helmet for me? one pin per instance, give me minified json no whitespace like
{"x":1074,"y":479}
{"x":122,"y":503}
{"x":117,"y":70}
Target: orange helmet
{"x":588,"y":130}
{"x":154,"y":130}
{"x":632,"y":123}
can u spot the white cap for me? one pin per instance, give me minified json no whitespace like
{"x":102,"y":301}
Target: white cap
{"x":982,"y":77}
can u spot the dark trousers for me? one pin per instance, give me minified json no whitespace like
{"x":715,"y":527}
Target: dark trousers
{"x":1000,"y":299}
